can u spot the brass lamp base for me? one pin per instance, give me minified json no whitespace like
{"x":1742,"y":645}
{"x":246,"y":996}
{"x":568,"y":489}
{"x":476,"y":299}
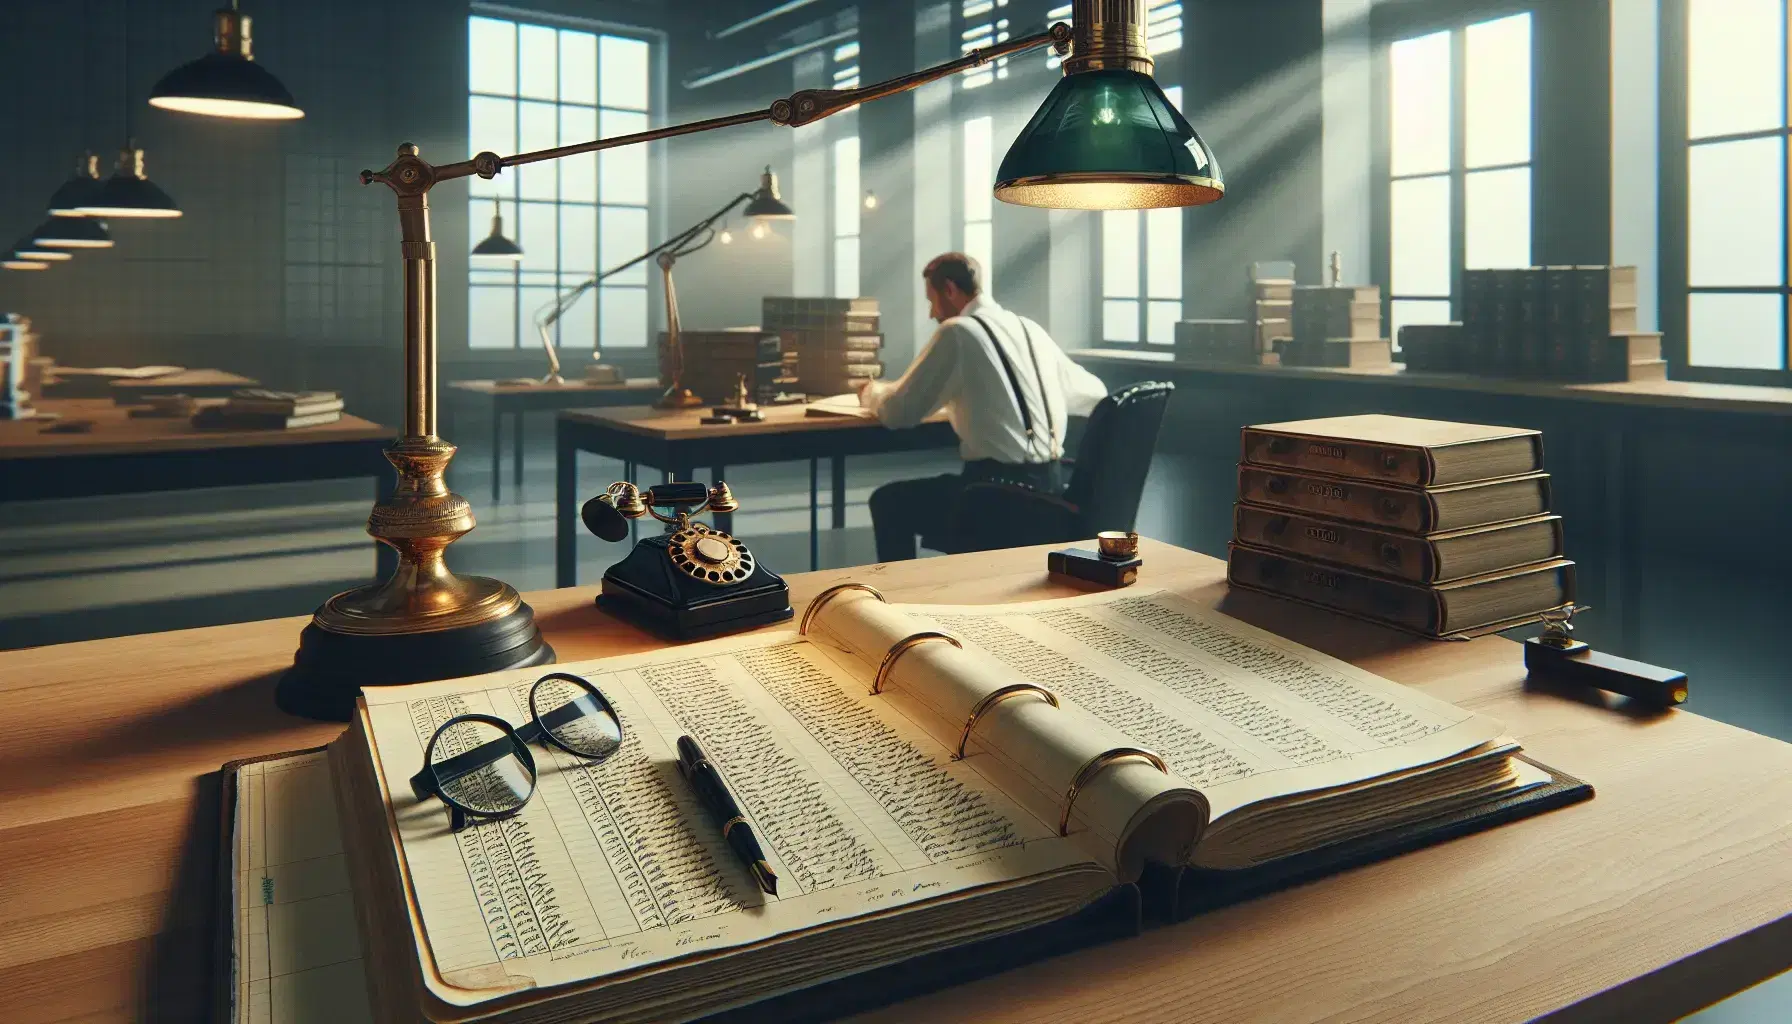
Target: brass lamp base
{"x":330,"y":668}
{"x":422,"y":623}
{"x":677,"y":397}
{"x":602,"y":373}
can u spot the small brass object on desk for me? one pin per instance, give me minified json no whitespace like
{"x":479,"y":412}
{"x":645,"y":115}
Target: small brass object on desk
{"x":740,"y":409}
{"x":1557,"y":657}
{"x":1115,"y":564}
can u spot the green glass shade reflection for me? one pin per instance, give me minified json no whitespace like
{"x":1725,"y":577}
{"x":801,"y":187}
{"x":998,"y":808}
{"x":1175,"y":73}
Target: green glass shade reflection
{"x":1108,"y":140}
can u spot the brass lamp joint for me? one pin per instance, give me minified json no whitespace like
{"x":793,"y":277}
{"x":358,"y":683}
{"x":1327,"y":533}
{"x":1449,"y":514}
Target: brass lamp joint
{"x":1108,"y":34}
{"x":230,"y":29}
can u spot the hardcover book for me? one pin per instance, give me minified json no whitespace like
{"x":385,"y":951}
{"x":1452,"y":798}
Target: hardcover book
{"x":1466,"y":607}
{"x":1396,"y":449}
{"x":1429,"y":558}
{"x":1409,"y":509}
{"x":612,"y":897}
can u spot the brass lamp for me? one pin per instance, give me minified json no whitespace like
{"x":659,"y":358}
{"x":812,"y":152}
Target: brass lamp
{"x":425,"y":622}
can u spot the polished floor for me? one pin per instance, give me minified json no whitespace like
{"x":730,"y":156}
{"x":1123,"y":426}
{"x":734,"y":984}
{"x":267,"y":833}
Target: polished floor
{"x":79,"y":570}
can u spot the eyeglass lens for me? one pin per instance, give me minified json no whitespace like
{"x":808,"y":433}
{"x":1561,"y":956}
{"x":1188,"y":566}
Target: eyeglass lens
{"x":493,"y":780}
{"x":575,"y":716}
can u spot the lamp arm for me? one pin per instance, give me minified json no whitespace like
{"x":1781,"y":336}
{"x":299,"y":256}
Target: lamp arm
{"x":803,"y":107}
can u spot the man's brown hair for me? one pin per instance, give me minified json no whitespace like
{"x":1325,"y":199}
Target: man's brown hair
{"x":958,"y":268}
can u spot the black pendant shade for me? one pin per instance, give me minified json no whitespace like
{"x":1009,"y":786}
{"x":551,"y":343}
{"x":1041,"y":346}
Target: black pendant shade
{"x":72,"y":232}
{"x":79,"y":190}
{"x":130,"y":194}
{"x":766,"y":204}
{"x":226,"y":82}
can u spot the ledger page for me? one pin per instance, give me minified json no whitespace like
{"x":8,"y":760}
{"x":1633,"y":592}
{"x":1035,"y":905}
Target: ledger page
{"x":1242,"y":714}
{"x":615,"y":865}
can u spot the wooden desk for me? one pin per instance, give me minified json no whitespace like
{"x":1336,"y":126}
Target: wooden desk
{"x":130,"y":455}
{"x":1637,"y":469}
{"x":1671,"y":888}
{"x":677,"y":442}
{"x":517,"y":399}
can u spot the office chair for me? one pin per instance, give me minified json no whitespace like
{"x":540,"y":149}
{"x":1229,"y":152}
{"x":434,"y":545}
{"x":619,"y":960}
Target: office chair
{"x":1107,"y":479}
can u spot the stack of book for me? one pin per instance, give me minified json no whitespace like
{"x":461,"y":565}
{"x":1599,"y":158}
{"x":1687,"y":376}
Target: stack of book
{"x":258,"y":409}
{"x":1272,"y":307}
{"x":1337,"y":326}
{"x":1233,"y":342}
{"x":1569,"y":324}
{"x":1433,"y":348}
{"x":831,"y":346}
{"x":1438,"y":528}
{"x":15,"y":362}
{"x":715,"y":361}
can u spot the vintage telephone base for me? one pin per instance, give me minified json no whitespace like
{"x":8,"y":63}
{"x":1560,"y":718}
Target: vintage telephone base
{"x":330,"y":668}
{"x":647,"y":590}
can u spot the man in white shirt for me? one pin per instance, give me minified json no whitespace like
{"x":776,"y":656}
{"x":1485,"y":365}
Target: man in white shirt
{"x":1007,"y":388}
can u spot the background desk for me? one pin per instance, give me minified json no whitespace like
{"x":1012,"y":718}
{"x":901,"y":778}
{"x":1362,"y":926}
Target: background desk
{"x":677,"y":442}
{"x":1671,"y":888}
{"x":517,"y":399}
{"x":1648,"y":476}
{"x":125,"y":455}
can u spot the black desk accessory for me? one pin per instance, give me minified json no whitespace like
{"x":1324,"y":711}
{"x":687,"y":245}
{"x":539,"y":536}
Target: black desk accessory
{"x":1558,"y":657}
{"x":695,"y":581}
{"x":740,"y":409}
{"x":703,"y":777}
{"x":1115,"y":564}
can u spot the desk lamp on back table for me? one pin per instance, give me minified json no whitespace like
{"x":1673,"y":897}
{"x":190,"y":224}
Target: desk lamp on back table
{"x":1105,"y":138}
{"x":762,"y":205}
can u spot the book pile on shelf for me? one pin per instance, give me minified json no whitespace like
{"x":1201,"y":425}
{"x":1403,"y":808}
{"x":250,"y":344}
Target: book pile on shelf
{"x":1233,"y":342}
{"x":16,"y":346}
{"x":1337,"y":325}
{"x":715,"y":361}
{"x":260,"y":409}
{"x":1434,"y":527}
{"x":1272,"y":306}
{"x":1570,"y":324}
{"x":831,"y":346}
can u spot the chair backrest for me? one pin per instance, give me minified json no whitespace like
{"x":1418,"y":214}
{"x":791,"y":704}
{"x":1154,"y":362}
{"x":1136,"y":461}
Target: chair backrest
{"x":1115,"y":455}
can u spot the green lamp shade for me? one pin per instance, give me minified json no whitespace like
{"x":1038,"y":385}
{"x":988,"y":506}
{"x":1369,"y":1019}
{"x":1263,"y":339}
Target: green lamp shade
{"x":498,"y":246}
{"x":64,"y":232}
{"x":26,"y":249}
{"x":78,"y":191}
{"x":1108,"y":140}
{"x":225,"y":85}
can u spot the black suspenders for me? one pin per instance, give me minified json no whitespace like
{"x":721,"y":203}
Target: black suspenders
{"x":1020,"y":401}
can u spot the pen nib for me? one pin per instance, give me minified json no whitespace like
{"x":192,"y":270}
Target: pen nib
{"x":762,"y":873}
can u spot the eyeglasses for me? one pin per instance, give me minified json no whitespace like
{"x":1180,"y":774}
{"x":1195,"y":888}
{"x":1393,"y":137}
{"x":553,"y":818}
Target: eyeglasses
{"x":481,"y":767}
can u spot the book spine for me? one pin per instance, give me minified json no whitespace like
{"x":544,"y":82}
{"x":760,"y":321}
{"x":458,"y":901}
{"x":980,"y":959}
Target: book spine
{"x":1477,"y":321}
{"x":1392,"y":464}
{"x":1395,"y":603}
{"x":1533,"y":319}
{"x":1352,"y":500}
{"x":1408,"y":558}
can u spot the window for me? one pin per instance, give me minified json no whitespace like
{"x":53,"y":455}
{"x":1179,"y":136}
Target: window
{"x":1163,"y":31}
{"x":979,"y":200}
{"x":1459,"y":162}
{"x":534,"y":87}
{"x":1141,"y":270}
{"x":985,"y":24}
{"x":1735,"y":185}
{"x":843,"y":178}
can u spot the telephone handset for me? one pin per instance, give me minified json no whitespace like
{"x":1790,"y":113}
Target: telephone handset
{"x":693,"y":582}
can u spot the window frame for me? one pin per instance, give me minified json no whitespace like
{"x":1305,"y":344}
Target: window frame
{"x":1674,"y":229}
{"x":632,"y":359}
{"x":1390,"y":23}
{"x":840,"y":127}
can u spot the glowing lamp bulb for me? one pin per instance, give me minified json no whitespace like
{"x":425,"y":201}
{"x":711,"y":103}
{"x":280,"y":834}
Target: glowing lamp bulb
{"x":726,"y":237}
{"x":759,"y":231}
{"x":870,"y":200}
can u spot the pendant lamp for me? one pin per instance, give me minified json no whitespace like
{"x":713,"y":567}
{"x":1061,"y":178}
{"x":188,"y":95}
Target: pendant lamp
{"x":1107,"y":137}
{"x":79,"y":189}
{"x":495,"y":245}
{"x":23,"y":265}
{"x":129,"y":193}
{"x":26,"y":249}
{"x":226,"y":82}
{"x":73,"y":232}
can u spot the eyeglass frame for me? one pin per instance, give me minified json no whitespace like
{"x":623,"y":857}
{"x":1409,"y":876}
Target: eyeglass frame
{"x":429,"y":781}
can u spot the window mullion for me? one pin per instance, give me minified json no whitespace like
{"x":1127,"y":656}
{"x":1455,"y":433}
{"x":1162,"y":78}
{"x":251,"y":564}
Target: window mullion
{"x":1458,"y":165}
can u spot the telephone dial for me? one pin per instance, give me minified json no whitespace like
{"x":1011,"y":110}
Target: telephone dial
{"x":693,"y":581}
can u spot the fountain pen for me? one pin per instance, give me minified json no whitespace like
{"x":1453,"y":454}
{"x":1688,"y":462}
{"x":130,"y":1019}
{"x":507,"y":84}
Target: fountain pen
{"x":714,"y":793}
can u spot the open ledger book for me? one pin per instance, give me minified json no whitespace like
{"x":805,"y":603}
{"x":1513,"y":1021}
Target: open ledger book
{"x":612,"y":897}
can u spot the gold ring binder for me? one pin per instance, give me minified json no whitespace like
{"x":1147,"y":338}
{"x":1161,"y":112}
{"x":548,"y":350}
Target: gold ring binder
{"x":1096,"y":764}
{"x":730,"y":823}
{"x":991,"y":699}
{"x":823,"y":598}
{"x":896,"y":649}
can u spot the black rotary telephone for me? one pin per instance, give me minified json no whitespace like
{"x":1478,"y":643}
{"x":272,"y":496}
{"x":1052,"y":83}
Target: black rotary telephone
{"x":693,"y":582}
